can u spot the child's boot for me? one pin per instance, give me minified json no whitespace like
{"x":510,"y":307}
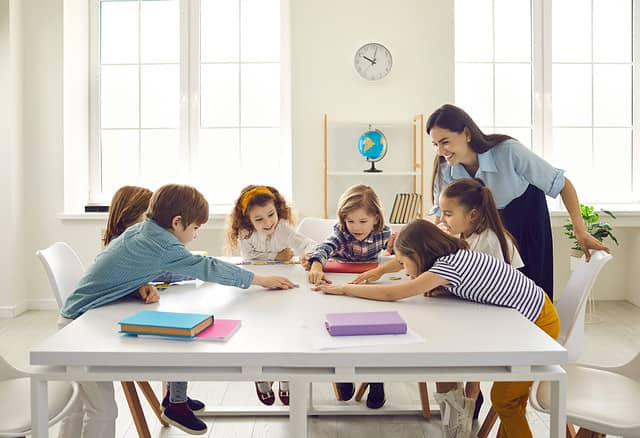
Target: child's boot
{"x":180,"y":416}
{"x":283,"y":392}
{"x":265,"y":393}
{"x":375,"y":399}
{"x":345,"y":391}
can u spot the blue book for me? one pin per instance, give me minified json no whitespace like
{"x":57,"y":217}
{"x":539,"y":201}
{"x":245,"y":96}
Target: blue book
{"x":166,"y":323}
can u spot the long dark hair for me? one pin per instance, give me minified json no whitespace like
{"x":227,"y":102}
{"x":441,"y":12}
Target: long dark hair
{"x":471,"y":193}
{"x":455,"y":119}
{"x":127,"y":206}
{"x":423,"y":243}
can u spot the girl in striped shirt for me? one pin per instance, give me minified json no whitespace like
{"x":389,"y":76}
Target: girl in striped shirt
{"x":436,"y":261}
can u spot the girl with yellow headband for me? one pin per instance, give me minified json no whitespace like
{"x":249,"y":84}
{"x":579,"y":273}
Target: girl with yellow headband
{"x":261,"y":226}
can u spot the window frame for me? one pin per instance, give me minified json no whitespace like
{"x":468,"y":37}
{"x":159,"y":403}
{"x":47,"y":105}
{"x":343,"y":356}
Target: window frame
{"x":189,"y":110}
{"x":541,"y":94}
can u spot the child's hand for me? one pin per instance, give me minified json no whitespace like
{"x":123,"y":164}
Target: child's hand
{"x":304,"y":261}
{"x":392,"y":240}
{"x":149,"y":294}
{"x":437,"y":292}
{"x":284,"y":255}
{"x":331,"y":289}
{"x":316,"y":274}
{"x":273,"y":282}
{"x":367,"y":277}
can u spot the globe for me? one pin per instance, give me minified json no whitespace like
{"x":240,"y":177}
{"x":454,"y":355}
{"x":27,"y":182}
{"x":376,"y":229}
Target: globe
{"x":372,"y":145}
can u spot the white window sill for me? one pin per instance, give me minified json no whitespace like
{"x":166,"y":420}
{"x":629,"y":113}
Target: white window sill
{"x":216,"y":221}
{"x":626,"y":216}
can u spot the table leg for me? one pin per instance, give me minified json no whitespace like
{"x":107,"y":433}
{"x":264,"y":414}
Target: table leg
{"x":39,"y":408}
{"x":298,"y":404}
{"x":559,"y":407}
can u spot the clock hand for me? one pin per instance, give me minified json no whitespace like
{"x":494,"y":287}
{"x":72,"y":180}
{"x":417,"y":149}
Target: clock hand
{"x":372,"y":61}
{"x":374,"y":54}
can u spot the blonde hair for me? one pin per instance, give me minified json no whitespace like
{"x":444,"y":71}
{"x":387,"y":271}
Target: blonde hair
{"x":250,"y":197}
{"x":173,"y":200}
{"x":357,"y":197}
{"x":127,"y":205}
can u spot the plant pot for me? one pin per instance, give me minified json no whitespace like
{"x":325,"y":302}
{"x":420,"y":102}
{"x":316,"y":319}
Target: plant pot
{"x":575,"y":256}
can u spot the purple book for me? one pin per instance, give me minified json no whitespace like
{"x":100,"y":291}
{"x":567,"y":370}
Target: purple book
{"x":365,"y":323}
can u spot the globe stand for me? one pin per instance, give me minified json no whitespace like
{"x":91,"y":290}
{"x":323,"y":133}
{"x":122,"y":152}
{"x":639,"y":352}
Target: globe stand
{"x":372,"y":169}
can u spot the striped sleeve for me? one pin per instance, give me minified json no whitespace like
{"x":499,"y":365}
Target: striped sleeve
{"x":447,"y":271}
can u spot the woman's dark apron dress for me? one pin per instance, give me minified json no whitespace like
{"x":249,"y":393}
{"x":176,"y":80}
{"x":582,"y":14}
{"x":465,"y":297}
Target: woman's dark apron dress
{"x":527,"y":219}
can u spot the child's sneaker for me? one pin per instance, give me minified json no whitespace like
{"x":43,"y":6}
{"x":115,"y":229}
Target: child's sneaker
{"x":456,"y":414}
{"x":196,"y":406}
{"x":180,"y":416}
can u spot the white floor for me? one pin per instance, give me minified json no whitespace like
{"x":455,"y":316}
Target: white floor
{"x":613,"y":340}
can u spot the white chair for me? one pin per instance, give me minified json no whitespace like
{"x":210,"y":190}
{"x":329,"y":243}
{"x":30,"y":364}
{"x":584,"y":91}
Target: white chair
{"x":571,"y":310}
{"x":316,"y":228}
{"x":600,"y":400}
{"x":15,"y":401}
{"x":64,"y":270}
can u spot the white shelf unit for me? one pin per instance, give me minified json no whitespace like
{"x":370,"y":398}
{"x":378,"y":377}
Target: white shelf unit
{"x":402,"y":167}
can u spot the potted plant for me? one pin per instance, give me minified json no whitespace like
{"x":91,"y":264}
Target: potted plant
{"x":599,"y":230}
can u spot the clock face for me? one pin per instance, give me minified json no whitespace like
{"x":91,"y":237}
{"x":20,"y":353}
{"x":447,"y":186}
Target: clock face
{"x":373,"y":61}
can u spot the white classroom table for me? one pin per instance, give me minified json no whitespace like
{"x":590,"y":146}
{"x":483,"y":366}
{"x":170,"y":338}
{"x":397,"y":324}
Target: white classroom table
{"x":277,"y":341}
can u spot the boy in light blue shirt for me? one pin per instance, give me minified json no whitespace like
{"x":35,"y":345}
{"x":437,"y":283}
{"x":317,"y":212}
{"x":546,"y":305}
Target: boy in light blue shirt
{"x":147,"y":250}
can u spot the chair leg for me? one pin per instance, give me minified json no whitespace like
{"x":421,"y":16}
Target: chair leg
{"x":424,"y":399}
{"x":335,"y":391}
{"x":571,"y":430}
{"x":136,"y":410}
{"x":361,"y":389}
{"x":488,"y":423}
{"x":148,"y":393}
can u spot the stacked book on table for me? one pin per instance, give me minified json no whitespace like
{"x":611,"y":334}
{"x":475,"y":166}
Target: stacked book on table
{"x":179,"y":325}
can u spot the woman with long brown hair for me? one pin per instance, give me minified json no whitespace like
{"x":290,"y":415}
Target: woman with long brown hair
{"x":519,"y":181}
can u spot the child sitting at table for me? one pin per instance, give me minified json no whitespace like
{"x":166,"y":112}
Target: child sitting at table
{"x":435,"y":261}
{"x":145,"y":251}
{"x":260,"y":223}
{"x":359,"y":235}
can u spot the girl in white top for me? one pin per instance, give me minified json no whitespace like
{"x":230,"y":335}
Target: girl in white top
{"x":469,"y":212}
{"x":436,"y":260}
{"x":261,"y":225}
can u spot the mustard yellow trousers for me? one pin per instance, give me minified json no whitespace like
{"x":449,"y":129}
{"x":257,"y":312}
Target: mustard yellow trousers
{"x":509,"y":399}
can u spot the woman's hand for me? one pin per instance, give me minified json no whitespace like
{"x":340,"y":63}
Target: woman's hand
{"x":284,"y":255}
{"x":273,"y":282}
{"x":317,"y":275}
{"x":368,"y":277}
{"x":331,"y":289}
{"x":587,"y":242}
{"x":149,"y":294}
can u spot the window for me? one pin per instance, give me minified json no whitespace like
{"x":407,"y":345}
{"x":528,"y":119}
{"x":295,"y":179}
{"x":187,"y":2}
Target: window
{"x":193,"y":92}
{"x":559,"y":76}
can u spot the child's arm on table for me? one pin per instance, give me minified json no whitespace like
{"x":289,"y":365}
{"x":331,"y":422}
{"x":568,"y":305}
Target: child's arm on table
{"x":426,"y":281}
{"x":317,"y":275}
{"x":374,"y":274}
{"x":149,"y":294}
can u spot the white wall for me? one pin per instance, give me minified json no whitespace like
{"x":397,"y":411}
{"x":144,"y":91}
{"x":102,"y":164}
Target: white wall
{"x":324,"y":37}
{"x":11,"y":300}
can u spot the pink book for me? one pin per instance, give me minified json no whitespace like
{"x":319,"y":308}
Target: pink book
{"x":365,"y":323}
{"x":220,"y":330}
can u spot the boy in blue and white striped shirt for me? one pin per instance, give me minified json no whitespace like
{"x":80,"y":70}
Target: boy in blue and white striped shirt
{"x":436,"y":261}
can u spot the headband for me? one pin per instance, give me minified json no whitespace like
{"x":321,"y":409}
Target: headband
{"x":246,"y":197}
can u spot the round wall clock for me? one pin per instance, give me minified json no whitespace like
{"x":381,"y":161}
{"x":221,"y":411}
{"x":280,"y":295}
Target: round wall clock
{"x":373,"y":61}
